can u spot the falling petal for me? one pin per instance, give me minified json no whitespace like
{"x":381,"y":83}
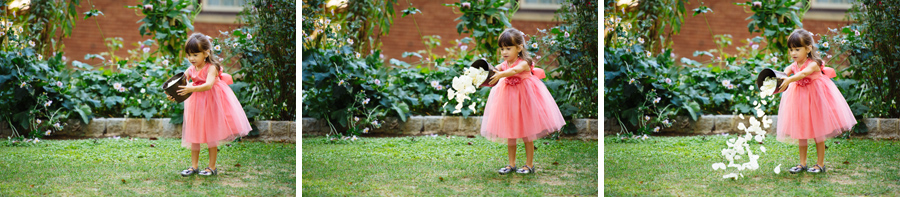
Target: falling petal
{"x":732,"y":176}
{"x":778,"y":169}
{"x":717,"y":166}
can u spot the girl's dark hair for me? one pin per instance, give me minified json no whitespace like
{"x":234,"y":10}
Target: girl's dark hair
{"x":512,"y":37}
{"x":198,"y":43}
{"x":803,"y":38}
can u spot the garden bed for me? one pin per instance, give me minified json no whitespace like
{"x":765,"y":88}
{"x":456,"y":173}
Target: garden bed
{"x":281,"y":131}
{"x":879,"y":128}
{"x":443,"y":125}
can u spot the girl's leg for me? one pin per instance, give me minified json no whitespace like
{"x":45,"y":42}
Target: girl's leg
{"x":820,"y":152}
{"x":511,"y":148}
{"x":213,"y":151}
{"x":803,"y":146}
{"x":529,"y":153}
{"x":195,"y":155}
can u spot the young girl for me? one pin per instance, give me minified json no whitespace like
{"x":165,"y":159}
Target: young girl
{"x":212,"y":114}
{"x":519,"y":106}
{"x":811,"y":107}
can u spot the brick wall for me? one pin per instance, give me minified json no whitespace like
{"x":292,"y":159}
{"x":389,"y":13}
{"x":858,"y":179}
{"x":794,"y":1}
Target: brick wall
{"x":727,"y":18}
{"x":116,"y":21}
{"x":435,"y":19}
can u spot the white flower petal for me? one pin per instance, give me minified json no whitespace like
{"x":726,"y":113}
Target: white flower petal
{"x":717,"y":166}
{"x":731,"y":176}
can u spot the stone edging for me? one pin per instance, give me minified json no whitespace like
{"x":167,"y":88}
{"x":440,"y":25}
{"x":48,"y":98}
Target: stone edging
{"x":718,"y":124}
{"x":442,"y":125}
{"x":280,"y":131}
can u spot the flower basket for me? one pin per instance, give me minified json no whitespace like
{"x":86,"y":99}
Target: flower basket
{"x":171,"y":87}
{"x":484,"y":65}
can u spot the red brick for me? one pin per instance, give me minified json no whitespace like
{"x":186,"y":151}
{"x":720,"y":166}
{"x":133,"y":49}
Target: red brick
{"x":727,"y":18}
{"x":117,"y":21}
{"x":435,"y":19}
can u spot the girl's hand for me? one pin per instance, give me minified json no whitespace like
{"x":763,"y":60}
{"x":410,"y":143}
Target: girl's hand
{"x":783,"y":87}
{"x":784,"y":84}
{"x":170,"y":98}
{"x":185,"y":89}
{"x":497,"y":77}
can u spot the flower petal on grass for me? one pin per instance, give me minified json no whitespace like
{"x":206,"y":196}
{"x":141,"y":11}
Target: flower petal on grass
{"x":732,"y":176}
{"x":717,"y":166}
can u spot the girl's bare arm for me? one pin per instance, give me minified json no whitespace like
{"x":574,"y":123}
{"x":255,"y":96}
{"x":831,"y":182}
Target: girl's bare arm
{"x":813,"y":67}
{"x":211,"y":77}
{"x":522,"y":66}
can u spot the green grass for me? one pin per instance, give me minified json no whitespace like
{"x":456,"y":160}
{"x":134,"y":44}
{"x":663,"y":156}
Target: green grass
{"x":438,"y":166}
{"x":108,"y":167}
{"x":682,"y":166}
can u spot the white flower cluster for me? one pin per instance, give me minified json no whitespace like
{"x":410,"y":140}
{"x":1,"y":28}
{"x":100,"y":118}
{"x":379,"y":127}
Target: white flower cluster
{"x":464,"y":85}
{"x":738,"y":147}
{"x":768,"y":88}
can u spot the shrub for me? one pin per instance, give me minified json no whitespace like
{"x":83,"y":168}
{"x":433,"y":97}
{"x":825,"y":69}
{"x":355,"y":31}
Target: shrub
{"x":168,"y":22}
{"x":776,"y":21}
{"x":873,"y":55}
{"x":268,"y":57}
{"x":485,"y":20}
{"x":572,"y":45}
{"x":340,"y":84}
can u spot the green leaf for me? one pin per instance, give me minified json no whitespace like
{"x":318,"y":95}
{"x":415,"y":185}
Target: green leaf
{"x":796,"y":19}
{"x":781,"y":11}
{"x":4,"y":78}
{"x":161,"y":35}
{"x":505,"y":20}
{"x":401,"y":110}
{"x":693,"y":109}
{"x":81,"y":65}
{"x":187,"y":22}
{"x":92,"y":56}
{"x":92,"y":13}
{"x":85,"y":112}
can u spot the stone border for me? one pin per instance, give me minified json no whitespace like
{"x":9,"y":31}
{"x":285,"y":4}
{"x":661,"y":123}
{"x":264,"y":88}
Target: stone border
{"x":717,"y":124}
{"x":269,"y":131}
{"x":442,"y":125}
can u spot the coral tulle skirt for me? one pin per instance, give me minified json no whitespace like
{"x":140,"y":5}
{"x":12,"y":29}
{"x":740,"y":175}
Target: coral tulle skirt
{"x":212,"y":117}
{"x":812,"y":108}
{"x":520,"y":108}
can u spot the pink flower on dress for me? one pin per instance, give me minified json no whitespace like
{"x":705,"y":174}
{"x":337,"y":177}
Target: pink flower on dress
{"x":803,"y":82}
{"x":512,"y":81}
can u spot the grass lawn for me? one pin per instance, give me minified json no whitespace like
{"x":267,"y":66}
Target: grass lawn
{"x":682,"y":166}
{"x":110,"y":167}
{"x":441,"y":166}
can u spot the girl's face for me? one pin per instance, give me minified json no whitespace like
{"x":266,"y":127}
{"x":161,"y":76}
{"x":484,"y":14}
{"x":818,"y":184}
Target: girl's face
{"x":510,"y":53}
{"x":799,"y":54}
{"x":197,"y":59}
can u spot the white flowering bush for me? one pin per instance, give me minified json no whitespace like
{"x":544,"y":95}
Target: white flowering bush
{"x":740,"y":150}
